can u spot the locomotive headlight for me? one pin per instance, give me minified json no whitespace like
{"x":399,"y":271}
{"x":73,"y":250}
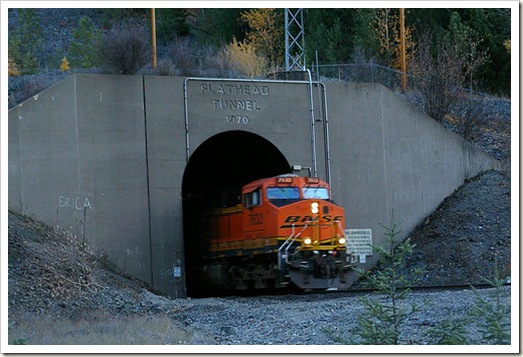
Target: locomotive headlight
{"x":342,"y":241}
{"x":315,"y":207}
{"x":307,"y":241}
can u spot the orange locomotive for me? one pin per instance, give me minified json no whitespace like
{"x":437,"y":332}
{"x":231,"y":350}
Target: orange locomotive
{"x":281,"y":230}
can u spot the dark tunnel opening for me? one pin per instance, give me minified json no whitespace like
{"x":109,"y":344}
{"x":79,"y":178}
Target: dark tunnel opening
{"x":213,"y":178}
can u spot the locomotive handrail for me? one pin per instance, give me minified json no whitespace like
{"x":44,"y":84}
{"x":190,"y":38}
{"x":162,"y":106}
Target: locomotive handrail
{"x":287,"y":240}
{"x":287,"y":244}
{"x":340,"y":229}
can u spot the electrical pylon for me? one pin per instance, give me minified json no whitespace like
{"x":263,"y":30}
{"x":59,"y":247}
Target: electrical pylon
{"x":294,"y":40}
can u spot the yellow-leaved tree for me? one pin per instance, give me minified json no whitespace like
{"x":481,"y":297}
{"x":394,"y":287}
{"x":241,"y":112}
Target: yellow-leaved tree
{"x":64,"y":65}
{"x":386,"y":28}
{"x":266,"y":33}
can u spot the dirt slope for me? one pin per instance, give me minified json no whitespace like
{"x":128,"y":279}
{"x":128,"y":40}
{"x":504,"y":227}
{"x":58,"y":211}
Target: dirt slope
{"x":469,"y":232}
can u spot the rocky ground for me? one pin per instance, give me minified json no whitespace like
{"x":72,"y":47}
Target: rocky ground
{"x":53,"y":276}
{"x":468,"y":235}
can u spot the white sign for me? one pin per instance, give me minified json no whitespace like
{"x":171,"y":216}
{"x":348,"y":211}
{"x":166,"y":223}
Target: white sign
{"x":359,"y":241}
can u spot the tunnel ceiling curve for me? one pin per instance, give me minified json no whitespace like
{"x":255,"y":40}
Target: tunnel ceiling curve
{"x":229,"y":159}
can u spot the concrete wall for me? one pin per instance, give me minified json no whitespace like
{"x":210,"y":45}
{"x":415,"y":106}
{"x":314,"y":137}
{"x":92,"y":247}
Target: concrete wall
{"x":104,"y":156}
{"x":78,"y":161}
{"x":166,"y":164}
{"x":389,"y":160}
{"x":275,"y":110}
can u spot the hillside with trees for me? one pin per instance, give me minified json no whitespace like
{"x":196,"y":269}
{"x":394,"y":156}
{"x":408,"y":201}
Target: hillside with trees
{"x":481,"y":37}
{"x":454,"y":56}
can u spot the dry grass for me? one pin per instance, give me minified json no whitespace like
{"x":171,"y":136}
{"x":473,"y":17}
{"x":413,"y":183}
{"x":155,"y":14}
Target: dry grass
{"x":242,"y":57}
{"x":98,"y":330}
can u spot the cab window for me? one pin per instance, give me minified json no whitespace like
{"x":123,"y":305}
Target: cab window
{"x":252,"y":199}
{"x":285,"y":193}
{"x":316,"y":192}
{"x":281,"y":196}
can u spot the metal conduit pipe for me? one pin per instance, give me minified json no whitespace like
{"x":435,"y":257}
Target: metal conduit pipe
{"x":187,"y":153}
{"x":326,"y":137}
{"x":313,"y":126}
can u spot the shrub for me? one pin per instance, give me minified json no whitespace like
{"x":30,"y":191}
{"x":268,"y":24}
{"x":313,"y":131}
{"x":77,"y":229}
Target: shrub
{"x":33,"y":86}
{"x":183,"y":56}
{"x":493,"y":318}
{"x":448,"y":332}
{"x":382,"y":322}
{"x":64,"y":66}
{"x":188,"y":59}
{"x":165,"y":68}
{"x":242,"y":57}
{"x":124,"y":50}
{"x":12,"y":69}
{"x":439,"y":78}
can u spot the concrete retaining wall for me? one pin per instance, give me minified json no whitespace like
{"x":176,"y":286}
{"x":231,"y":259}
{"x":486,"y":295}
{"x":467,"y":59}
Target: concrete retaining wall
{"x":105,"y":156}
{"x":392,"y":161}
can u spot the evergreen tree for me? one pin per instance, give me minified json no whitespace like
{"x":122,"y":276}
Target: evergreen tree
{"x":491,"y":25}
{"x":217,"y":27}
{"x":448,"y":332}
{"x":467,"y":42}
{"x":172,"y":23}
{"x":25,"y":43}
{"x":331,"y":33}
{"x":493,"y":317}
{"x":382,"y":323}
{"x":83,"y":52}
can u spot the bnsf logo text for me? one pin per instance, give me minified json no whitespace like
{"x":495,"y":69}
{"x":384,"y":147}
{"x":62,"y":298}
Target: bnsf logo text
{"x":304,"y":219}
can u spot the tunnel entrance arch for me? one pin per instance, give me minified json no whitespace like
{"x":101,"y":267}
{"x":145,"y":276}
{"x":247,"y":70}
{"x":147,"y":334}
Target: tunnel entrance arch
{"x":213,"y":177}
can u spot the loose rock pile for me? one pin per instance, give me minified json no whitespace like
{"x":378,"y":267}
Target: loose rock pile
{"x":467,"y":236}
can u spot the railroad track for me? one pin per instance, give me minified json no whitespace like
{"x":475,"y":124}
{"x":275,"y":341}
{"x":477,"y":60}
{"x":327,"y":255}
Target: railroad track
{"x":338,"y":294}
{"x":436,"y":287}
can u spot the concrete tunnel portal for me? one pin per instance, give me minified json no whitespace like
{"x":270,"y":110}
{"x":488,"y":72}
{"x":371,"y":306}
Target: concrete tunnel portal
{"x":119,"y":143}
{"x":213,"y":176}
